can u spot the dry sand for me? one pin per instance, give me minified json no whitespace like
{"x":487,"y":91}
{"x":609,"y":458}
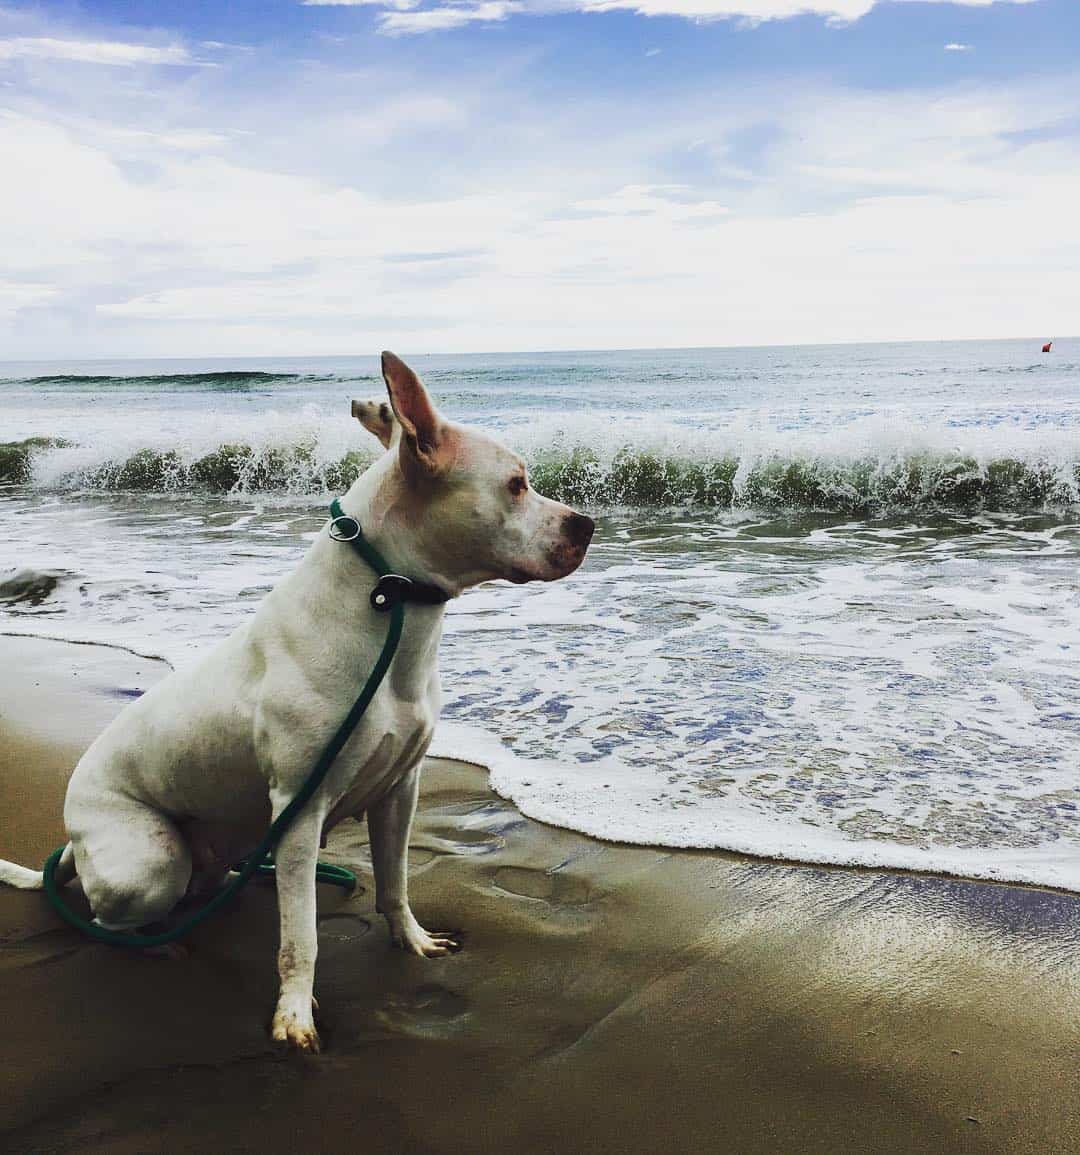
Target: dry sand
{"x":608,"y":999}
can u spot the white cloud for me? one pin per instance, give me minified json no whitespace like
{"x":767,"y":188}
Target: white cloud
{"x":841,"y":11}
{"x":454,"y":210}
{"x":401,"y":23}
{"x":185,"y":141}
{"x":409,"y":16}
{"x":676,"y":203}
{"x":15,"y":296}
{"x":109,"y":52}
{"x":403,"y":4}
{"x":954,"y":46}
{"x":727,"y":9}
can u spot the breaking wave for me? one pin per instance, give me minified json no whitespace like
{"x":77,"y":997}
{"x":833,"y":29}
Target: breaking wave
{"x":870,"y":468}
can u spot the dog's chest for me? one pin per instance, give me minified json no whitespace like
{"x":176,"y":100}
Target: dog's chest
{"x":386,"y":759}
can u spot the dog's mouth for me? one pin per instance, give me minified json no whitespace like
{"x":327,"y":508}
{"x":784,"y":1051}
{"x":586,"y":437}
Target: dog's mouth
{"x":560,"y":564}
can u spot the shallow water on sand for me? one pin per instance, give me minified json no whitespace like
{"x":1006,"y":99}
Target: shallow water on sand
{"x":899,"y":692}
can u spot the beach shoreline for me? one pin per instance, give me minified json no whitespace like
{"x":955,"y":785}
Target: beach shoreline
{"x":609,"y":998}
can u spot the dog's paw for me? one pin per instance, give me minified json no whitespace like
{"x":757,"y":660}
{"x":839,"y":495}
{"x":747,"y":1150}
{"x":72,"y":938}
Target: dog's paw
{"x":295,"y":1030}
{"x":409,"y":936}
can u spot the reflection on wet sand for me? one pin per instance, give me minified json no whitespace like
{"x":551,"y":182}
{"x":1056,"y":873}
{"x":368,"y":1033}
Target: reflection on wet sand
{"x":608,"y":999}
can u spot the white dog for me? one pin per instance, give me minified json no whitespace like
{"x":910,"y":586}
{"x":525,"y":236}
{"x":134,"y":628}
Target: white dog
{"x":187,"y":778}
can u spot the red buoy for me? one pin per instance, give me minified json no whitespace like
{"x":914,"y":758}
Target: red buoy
{"x":1046,"y":347}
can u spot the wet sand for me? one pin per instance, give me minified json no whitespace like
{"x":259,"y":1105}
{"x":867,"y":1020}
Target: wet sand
{"x":608,"y":999}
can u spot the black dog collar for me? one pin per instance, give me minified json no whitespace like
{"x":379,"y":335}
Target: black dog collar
{"x":391,"y":588}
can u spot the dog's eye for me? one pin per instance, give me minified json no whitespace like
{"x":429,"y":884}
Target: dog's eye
{"x":518,"y":485}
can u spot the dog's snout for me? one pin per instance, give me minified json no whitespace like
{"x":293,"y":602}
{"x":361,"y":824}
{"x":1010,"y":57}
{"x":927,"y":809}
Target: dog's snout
{"x":579,"y":529}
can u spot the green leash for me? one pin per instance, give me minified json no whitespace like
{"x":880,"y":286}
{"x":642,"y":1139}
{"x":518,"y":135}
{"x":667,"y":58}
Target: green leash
{"x":389,"y":595}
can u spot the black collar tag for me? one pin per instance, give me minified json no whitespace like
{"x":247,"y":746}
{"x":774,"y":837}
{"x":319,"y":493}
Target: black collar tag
{"x":391,"y":589}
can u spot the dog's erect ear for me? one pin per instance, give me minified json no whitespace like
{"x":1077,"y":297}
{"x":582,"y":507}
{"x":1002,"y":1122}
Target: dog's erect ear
{"x":421,"y":425}
{"x":376,"y":417}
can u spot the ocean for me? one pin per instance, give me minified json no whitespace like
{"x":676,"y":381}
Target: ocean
{"x":831,"y":612}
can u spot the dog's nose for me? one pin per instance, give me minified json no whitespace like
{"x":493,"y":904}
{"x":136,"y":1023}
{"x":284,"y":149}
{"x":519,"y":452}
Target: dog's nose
{"x":579,"y":529}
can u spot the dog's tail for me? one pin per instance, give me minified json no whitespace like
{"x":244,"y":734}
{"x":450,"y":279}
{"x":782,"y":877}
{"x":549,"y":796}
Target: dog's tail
{"x":26,"y":879}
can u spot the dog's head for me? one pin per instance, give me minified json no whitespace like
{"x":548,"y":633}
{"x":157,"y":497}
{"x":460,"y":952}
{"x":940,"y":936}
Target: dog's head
{"x":461,"y":501}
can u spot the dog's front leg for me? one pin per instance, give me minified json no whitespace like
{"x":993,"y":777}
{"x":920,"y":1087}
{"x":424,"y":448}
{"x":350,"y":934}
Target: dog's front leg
{"x":389,"y":823}
{"x":295,"y":857}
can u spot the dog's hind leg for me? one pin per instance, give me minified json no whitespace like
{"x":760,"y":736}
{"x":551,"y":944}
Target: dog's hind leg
{"x":133,"y":861}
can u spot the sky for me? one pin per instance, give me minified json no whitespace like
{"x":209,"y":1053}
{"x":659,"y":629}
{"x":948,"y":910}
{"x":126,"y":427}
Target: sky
{"x":193,"y":178}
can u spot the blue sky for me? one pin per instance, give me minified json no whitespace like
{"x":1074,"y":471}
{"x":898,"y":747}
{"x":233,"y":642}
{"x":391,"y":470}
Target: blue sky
{"x":283,"y":178}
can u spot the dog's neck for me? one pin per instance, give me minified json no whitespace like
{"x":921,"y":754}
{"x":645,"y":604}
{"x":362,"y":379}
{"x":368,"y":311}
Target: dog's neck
{"x":335,"y":585}
{"x":377,"y":500}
